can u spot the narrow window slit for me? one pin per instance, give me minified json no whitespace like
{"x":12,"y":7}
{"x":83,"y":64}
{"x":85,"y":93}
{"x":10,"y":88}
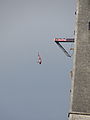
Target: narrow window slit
{"x":89,"y":26}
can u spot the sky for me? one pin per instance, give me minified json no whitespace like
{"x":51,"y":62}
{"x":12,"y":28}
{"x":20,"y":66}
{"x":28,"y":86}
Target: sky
{"x":29,"y":91}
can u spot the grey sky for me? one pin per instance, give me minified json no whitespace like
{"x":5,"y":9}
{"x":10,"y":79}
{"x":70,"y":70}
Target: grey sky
{"x":29,"y":91}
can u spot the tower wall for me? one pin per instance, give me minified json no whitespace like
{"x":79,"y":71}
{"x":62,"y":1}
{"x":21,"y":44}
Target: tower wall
{"x":80,"y":95}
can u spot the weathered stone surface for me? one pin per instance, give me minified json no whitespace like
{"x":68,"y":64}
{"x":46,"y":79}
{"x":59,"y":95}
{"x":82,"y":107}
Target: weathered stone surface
{"x":80,"y":96}
{"x":79,"y":117}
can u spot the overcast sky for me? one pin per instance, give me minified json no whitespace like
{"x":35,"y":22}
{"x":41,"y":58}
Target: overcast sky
{"x":29,"y":91}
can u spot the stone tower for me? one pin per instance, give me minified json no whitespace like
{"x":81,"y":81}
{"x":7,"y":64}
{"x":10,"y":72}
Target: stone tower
{"x":80,"y":92}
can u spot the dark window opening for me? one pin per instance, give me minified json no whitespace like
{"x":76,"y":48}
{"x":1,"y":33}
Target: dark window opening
{"x":89,"y":26}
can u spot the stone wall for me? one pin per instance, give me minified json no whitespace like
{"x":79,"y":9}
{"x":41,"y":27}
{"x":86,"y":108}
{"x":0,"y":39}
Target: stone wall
{"x":80,"y":95}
